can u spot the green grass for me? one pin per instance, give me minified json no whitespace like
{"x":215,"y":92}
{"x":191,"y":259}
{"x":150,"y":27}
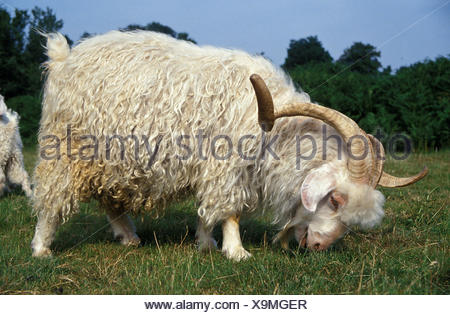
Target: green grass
{"x":407,"y":254}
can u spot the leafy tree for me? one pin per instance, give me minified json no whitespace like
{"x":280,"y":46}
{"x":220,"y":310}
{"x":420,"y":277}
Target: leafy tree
{"x":18,"y":25}
{"x":12,"y":63}
{"x":328,"y":84}
{"x":21,"y":54}
{"x":86,"y":35}
{"x":41,"y":21}
{"x":414,"y":101}
{"x":362,"y":58}
{"x":154,"y":26}
{"x":12,"y":35}
{"x":185,"y":36}
{"x":160,"y":28}
{"x":305,"y":50}
{"x":420,"y":98}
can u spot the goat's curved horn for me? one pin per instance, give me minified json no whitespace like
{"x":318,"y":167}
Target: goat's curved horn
{"x":386,"y":180}
{"x":266,"y":112}
{"x":360,"y":166}
{"x":379,"y":158}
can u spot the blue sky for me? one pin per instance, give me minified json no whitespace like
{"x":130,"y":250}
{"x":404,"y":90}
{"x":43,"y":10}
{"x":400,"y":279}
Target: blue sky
{"x":405,"y":31}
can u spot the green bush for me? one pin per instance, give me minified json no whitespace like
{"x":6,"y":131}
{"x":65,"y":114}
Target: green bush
{"x":29,"y":109}
{"x":414,"y":101}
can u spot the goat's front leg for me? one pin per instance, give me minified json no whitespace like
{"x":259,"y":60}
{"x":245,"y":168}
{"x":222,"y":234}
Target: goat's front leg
{"x":232,"y":244}
{"x":44,"y":234}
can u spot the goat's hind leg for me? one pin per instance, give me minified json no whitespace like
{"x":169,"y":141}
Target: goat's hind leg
{"x":52,"y":203}
{"x":204,"y":238}
{"x":123,"y":227}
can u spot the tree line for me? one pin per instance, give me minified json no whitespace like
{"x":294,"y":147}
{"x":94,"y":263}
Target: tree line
{"x":413,"y":101}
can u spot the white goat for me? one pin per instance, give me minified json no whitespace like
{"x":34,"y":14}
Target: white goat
{"x":194,"y":111}
{"x":12,"y":170}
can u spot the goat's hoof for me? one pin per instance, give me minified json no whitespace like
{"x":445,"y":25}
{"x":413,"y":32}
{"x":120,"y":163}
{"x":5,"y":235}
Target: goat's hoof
{"x":42,"y":253}
{"x":208,"y":245}
{"x":133,"y":240}
{"x":236,"y":254}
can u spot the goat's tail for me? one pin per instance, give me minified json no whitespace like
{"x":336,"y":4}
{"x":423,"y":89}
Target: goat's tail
{"x":57,"y":47}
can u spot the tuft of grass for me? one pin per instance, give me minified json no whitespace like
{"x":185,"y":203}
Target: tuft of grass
{"x":406,"y":254}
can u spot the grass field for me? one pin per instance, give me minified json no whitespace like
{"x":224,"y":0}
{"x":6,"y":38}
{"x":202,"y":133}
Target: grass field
{"x":407,"y":254}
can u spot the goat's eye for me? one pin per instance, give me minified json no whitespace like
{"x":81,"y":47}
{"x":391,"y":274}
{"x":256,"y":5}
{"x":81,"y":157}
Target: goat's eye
{"x":334,"y":203}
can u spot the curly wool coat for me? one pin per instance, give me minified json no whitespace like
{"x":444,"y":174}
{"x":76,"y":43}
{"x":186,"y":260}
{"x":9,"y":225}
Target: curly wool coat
{"x":12,"y":170}
{"x":133,"y":118}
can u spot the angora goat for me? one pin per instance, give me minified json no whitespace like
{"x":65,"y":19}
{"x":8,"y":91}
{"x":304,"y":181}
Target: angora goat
{"x":133,"y":118}
{"x":12,"y":170}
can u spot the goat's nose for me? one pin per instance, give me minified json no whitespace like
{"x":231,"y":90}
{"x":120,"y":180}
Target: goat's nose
{"x":317,"y":246}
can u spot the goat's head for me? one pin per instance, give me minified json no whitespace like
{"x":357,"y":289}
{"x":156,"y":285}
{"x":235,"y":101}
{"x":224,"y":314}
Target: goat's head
{"x":335,"y":195}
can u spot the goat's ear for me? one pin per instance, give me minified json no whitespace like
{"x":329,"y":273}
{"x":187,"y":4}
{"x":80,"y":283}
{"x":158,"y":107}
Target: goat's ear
{"x":316,"y":186}
{"x":337,"y":200}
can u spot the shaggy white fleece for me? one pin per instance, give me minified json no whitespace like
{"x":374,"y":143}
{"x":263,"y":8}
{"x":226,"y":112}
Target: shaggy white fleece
{"x":12,"y":171}
{"x":183,"y":99}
